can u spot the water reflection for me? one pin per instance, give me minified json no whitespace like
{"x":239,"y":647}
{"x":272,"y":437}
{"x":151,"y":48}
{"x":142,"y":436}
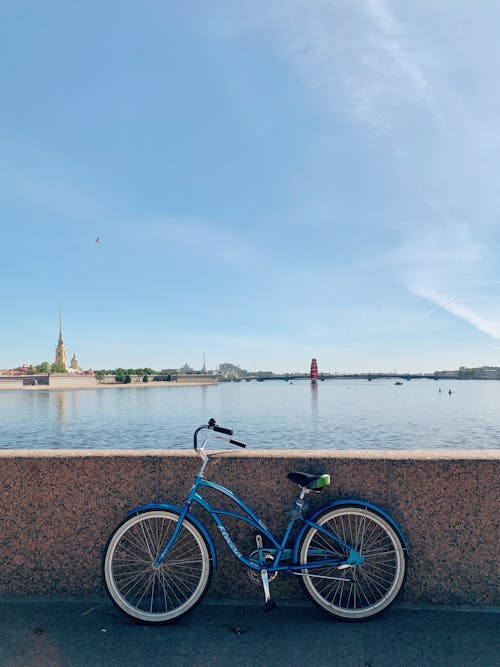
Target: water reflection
{"x":203,"y":389}
{"x":60,"y":400}
{"x":314,"y":400}
{"x":64,"y":407}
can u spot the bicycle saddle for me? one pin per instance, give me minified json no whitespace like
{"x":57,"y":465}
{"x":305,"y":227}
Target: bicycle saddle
{"x":313,"y":482}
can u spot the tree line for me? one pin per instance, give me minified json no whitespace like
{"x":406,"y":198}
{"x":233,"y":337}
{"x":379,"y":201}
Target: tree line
{"x":121,"y":375}
{"x":45,"y":367}
{"x":124,"y":375}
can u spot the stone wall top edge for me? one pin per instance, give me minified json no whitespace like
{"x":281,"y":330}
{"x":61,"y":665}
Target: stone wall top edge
{"x":92,"y":453}
{"x":367,"y":454}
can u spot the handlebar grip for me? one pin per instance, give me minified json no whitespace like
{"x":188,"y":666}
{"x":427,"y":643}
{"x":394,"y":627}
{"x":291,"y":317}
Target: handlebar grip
{"x":235,"y":442}
{"x":220,"y":429}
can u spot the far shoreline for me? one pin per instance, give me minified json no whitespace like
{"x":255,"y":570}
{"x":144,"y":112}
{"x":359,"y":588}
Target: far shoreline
{"x":113,"y":385}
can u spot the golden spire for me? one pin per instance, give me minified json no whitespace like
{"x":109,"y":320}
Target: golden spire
{"x":60,"y":325}
{"x":60,"y":349}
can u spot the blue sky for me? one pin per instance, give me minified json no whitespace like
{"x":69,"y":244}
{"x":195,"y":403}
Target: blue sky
{"x":271,"y":181}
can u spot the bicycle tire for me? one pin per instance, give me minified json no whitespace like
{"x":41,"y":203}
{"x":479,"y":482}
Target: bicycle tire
{"x":163,"y":595}
{"x":362,"y":591}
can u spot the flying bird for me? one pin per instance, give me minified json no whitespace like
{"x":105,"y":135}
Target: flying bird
{"x":98,"y":240}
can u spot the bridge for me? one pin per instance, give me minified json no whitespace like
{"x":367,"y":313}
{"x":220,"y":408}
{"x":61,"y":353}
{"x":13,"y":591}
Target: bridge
{"x":344,"y":376}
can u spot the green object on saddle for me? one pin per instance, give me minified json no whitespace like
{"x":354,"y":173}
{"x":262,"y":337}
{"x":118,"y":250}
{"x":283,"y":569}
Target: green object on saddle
{"x":308,"y":481}
{"x":320,"y":482}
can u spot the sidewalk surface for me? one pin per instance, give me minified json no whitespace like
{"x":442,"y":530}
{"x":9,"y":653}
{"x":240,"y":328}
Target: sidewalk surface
{"x":53,"y":632}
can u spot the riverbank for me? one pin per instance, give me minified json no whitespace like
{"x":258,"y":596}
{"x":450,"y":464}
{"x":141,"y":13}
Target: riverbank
{"x":132,"y":385}
{"x":173,"y":383}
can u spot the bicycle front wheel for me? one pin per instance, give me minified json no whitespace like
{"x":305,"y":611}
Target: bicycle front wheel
{"x":361,"y":591}
{"x":156,"y":595}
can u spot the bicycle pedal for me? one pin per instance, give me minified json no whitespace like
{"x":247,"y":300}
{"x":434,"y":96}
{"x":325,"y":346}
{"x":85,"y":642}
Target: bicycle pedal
{"x":270,"y":604}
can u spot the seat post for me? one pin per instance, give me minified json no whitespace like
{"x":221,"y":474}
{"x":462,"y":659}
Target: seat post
{"x":299,"y":505}
{"x":303,"y":492}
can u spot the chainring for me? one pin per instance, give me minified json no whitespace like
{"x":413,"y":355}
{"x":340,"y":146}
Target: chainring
{"x":254,"y":575}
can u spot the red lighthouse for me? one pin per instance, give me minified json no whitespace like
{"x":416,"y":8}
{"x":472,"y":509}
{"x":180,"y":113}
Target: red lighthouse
{"x":314,"y":371}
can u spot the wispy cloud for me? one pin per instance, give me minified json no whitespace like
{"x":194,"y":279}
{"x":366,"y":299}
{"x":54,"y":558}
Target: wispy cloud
{"x":483,"y":313}
{"x":402,"y":57}
{"x":452,"y":267}
{"x":357,"y":60}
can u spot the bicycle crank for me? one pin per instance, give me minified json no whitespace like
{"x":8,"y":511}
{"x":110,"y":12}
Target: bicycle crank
{"x":265,"y":559}
{"x":254,"y":575}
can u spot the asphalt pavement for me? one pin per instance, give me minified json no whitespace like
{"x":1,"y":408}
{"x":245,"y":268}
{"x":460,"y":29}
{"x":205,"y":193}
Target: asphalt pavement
{"x":76,"y":632}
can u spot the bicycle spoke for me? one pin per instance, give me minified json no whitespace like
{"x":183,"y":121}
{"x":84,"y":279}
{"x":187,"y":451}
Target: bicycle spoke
{"x":362,"y":590}
{"x":156,"y":594}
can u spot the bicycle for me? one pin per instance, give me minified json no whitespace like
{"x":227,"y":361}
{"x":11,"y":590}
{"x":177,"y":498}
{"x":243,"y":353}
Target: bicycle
{"x":350,"y":555}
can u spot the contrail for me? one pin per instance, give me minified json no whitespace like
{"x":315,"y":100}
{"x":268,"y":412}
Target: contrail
{"x":440,"y":305}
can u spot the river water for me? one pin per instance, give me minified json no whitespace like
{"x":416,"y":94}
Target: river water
{"x":335,"y":414}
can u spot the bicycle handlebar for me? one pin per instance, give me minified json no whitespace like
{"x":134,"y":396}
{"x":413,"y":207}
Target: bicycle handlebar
{"x":218,"y":429}
{"x":235,"y":442}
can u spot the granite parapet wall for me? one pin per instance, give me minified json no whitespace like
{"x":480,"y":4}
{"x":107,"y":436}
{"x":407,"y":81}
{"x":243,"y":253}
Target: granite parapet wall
{"x":58,"y":508}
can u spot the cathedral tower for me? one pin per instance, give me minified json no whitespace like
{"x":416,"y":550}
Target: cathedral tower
{"x":60,"y":349}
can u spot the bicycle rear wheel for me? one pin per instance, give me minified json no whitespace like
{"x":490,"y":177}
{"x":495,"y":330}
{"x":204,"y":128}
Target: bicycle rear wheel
{"x":156,"y":595}
{"x":362,"y":591}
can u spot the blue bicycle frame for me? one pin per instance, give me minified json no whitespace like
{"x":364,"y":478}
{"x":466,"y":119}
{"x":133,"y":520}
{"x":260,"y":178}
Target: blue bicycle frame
{"x":279,"y":551}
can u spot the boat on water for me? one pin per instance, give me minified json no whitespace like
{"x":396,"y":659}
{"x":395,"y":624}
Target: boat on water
{"x":398,"y":382}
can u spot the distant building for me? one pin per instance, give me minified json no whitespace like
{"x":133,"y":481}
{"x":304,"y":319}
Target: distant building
{"x":21,"y":370}
{"x":60,"y":359}
{"x":74,"y":367}
{"x":74,"y":370}
{"x":481,"y":373}
{"x":231,"y":371}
